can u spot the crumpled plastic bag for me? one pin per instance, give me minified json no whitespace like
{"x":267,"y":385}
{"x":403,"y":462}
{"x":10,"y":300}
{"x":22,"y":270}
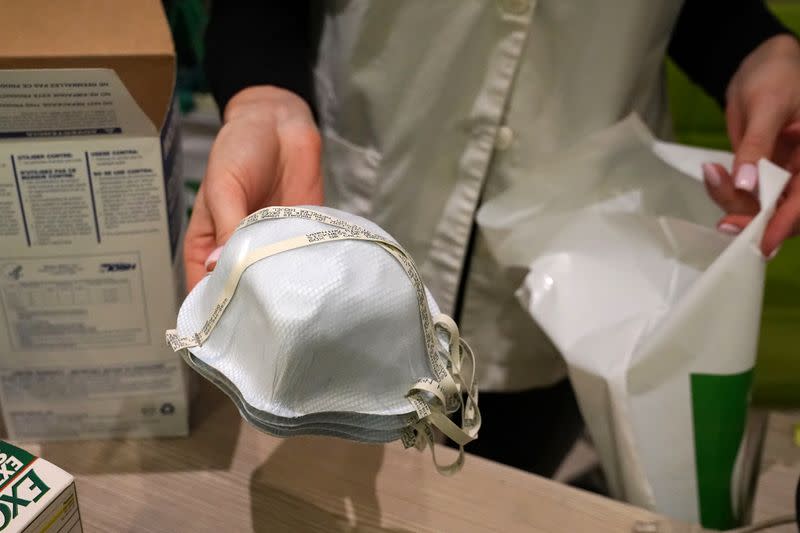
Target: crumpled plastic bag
{"x":655,"y":312}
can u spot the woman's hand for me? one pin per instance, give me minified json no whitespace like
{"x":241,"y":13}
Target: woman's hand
{"x":763,"y":117}
{"x":267,"y":152}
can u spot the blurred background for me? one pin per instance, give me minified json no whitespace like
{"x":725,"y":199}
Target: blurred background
{"x":697,"y":120}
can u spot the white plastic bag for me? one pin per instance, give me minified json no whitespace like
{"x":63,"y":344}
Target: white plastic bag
{"x":655,"y":311}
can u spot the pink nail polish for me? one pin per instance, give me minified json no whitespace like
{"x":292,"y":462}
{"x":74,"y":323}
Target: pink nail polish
{"x":711,"y":174}
{"x":747,"y":177}
{"x":771,"y":256}
{"x":212,"y":259}
{"x":730,"y":229}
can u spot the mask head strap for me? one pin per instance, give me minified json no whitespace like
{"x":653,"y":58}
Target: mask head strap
{"x":429,"y":402}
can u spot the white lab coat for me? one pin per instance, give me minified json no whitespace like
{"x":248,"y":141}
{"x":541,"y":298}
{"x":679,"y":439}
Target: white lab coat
{"x":429,"y":107}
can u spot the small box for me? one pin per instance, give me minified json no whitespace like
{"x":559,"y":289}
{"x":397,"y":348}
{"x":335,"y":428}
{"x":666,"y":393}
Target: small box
{"x":35,"y":496}
{"x":91,"y":216}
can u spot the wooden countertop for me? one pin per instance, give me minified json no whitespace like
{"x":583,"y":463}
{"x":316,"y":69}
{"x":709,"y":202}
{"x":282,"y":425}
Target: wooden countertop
{"x":229,"y":477}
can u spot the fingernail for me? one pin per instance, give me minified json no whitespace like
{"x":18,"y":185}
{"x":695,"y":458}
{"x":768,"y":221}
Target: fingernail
{"x":747,"y":177}
{"x":730,"y":229}
{"x":213,"y":257}
{"x":711,"y":174}
{"x":771,"y":256}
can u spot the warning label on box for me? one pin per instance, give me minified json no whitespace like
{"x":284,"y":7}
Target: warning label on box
{"x":86,"y":402}
{"x":65,"y":103}
{"x":67,"y":303}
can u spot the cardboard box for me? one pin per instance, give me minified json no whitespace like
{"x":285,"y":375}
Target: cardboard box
{"x":35,"y":496}
{"x":91,"y":216}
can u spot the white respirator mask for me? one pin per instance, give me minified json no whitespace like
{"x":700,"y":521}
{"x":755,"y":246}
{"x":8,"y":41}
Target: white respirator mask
{"x":315,"y":321}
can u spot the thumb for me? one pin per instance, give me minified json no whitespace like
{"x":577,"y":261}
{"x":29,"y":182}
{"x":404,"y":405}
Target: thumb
{"x":217,"y":211}
{"x":225,"y":196}
{"x":765,"y":118}
{"x":227,"y":205}
{"x":226,"y":202}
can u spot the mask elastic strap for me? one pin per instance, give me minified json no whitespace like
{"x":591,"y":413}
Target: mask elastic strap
{"x":462,"y":359}
{"x":431,"y":413}
{"x":427,"y":439}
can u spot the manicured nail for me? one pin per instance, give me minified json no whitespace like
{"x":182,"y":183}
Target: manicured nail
{"x":771,"y":256}
{"x":730,"y":229}
{"x":711,"y":174}
{"x":747,"y":177}
{"x":213,"y":257}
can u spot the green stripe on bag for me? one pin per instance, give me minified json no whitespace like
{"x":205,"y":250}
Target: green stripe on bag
{"x":719,"y":407}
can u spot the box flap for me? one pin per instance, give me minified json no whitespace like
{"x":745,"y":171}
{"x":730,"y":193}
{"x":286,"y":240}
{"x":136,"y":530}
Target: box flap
{"x":131,"y":37}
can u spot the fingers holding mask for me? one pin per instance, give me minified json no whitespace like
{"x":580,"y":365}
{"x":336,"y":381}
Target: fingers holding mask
{"x":291,"y":176}
{"x":267,"y":153}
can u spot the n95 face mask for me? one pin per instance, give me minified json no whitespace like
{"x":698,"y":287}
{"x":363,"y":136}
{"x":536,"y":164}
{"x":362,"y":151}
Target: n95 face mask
{"x":315,"y":321}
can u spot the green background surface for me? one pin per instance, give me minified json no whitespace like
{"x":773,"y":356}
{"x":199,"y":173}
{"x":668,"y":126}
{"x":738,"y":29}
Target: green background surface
{"x":698,"y":120}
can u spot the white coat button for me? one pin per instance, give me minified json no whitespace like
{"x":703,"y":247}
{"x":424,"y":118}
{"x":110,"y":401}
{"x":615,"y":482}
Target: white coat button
{"x":516,"y":7}
{"x":505,"y":136}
